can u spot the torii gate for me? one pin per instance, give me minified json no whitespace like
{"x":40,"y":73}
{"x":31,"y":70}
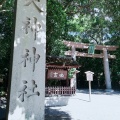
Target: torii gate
{"x":104,"y":55}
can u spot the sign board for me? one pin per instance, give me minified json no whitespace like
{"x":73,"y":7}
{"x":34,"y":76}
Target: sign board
{"x":91,"y":49}
{"x":57,"y":74}
{"x":27,"y":91}
{"x":89,"y":75}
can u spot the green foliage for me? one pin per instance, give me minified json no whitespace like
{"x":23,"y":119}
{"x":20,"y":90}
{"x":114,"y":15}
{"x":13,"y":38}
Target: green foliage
{"x":87,"y":21}
{"x":56,"y":18}
{"x":75,"y":20}
{"x":6,"y":33}
{"x":71,"y":72}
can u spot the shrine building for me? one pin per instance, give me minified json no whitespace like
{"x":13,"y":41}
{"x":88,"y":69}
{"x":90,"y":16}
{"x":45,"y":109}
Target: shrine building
{"x":57,"y":80}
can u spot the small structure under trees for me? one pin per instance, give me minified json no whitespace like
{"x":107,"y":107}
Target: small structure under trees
{"x":91,"y":48}
{"x":57,"y":80}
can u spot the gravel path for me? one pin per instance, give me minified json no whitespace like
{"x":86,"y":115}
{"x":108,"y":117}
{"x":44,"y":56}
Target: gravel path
{"x":103,"y":106}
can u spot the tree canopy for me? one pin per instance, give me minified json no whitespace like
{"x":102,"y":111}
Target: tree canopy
{"x":82,"y":21}
{"x":6,"y":32}
{"x":85,"y":21}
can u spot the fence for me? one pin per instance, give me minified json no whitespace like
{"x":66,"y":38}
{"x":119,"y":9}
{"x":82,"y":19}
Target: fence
{"x":63,"y":91}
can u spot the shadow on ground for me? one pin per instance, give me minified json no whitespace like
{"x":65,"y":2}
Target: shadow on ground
{"x":50,"y":114}
{"x":53,"y":114}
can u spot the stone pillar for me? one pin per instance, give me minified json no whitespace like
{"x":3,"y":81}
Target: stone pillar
{"x":27,"y":91}
{"x":73,"y":81}
{"x":74,"y":58}
{"x":106,"y":69}
{"x":73,"y":53}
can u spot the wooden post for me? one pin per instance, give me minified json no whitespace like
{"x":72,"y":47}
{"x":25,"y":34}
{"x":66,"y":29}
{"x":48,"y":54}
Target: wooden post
{"x":90,"y":91}
{"x":67,"y":81}
{"x":106,"y":69}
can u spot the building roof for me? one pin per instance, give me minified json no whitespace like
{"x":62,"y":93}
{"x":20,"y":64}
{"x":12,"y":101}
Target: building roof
{"x":61,"y":62}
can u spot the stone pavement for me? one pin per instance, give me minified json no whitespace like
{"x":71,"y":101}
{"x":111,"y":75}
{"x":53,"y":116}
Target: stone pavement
{"x":103,"y":106}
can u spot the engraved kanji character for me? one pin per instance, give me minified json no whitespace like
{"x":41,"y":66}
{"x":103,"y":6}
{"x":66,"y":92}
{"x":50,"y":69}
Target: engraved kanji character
{"x":26,"y":57}
{"x":26,"y":25}
{"x":32,"y":89}
{"x":35,"y":58}
{"x":22,"y":91}
{"x":28,"y":2}
{"x":35,"y":27}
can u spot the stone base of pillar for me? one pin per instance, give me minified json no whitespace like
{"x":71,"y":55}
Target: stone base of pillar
{"x":109,"y":90}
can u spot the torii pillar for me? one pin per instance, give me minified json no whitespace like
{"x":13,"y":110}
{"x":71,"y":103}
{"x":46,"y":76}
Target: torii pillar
{"x":106,"y":70}
{"x":74,"y":58}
